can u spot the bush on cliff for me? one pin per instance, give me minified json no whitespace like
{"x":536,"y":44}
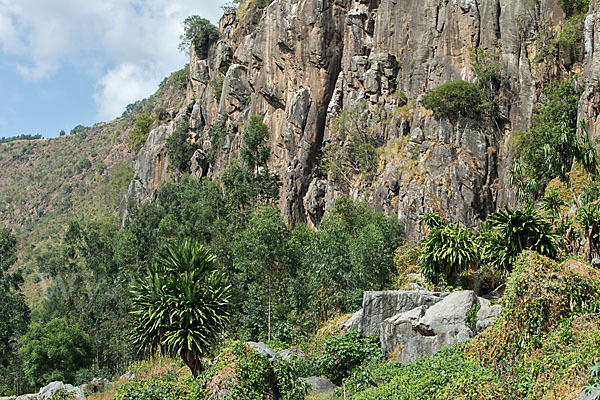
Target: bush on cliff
{"x":454,"y":98}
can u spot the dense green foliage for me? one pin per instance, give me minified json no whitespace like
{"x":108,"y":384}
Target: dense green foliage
{"x":343,"y":354}
{"x":572,"y":7}
{"x":449,"y":249}
{"x":446,"y":375}
{"x":139,"y":133}
{"x":14,"y":314}
{"x":200,"y":33}
{"x":180,"y":149}
{"x":182,"y":304}
{"x":454,"y":98}
{"x":20,"y":137}
{"x":54,"y":352}
{"x":446,"y":251}
{"x":550,"y":147}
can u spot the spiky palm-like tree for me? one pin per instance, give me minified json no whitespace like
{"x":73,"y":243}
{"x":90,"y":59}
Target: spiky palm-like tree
{"x":181,"y":306}
{"x":447,"y":250}
{"x":518,"y":230}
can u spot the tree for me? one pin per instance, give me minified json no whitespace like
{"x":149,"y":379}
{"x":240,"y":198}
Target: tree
{"x":263,"y":250}
{"x":14,"y":313}
{"x":589,"y":219}
{"x":518,"y":230}
{"x":180,"y":149}
{"x":139,"y":133}
{"x":182,"y":305}
{"x":548,"y":150}
{"x":54,"y":351}
{"x":447,"y":250}
{"x":255,"y":152}
{"x":454,"y":98}
{"x":200,"y":33}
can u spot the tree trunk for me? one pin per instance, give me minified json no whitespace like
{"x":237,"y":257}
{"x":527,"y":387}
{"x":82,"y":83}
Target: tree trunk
{"x":269,"y":313}
{"x":194,"y":363}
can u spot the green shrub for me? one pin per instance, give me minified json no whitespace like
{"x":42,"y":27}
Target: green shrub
{"x":454,"y":98}
{"x":570,"y":39}
{"x":84,"y":163}
{"x":200,"y":33}
{"x":447,"y":374}
{"x":241,"y":371}
{"x":447,"y":251}
{"x":342,"y":354}
{"x":154,"y":389}
{"x":594,"y":382}
{"x":217,"y":85}
{"x":180,"y":149}
{"x":572,"y":7}
{"x":139,"y":133}
{"x":287,"y":374}
{"x":54,"y":351}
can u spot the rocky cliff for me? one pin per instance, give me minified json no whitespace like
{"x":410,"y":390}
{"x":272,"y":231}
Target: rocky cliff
{"x":304,"y":64}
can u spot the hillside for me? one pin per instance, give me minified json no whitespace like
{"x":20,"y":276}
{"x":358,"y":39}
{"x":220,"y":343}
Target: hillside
{"x":48,"y":182}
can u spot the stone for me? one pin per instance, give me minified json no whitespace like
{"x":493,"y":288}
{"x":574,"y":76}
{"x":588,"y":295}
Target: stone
{"x":378,"y":306}
{"x":447,"y":317}
{"x":263,"y":349}
{"x":319,"y":384}
{"x":594,"y":395}
{"x":353,"y":322}
{"x":49,"y":390}
{"x":129,"y":375}
{"x":286,"y":354}
{"x":487,"y":314}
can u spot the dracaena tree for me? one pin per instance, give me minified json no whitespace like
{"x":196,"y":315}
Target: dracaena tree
{"x":182,"y":305}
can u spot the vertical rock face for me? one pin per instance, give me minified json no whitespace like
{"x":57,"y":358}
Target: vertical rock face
{"x":301,"y":63}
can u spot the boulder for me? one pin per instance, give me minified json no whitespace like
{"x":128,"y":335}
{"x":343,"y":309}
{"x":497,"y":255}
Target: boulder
{"x":263,"y":349}
{"x":487,"y":314}
{"x":424,"y":321}
{"x":294,"y":351}
{"x":378,"y":306}
{"x":319,"y":384}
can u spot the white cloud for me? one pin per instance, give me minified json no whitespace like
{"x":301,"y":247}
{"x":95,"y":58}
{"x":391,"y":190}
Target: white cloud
{"x":121,"y":86}
{"x":129,"y":44}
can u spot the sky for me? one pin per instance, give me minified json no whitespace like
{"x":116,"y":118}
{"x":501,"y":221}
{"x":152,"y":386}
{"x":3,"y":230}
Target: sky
{"x":70,"y":62}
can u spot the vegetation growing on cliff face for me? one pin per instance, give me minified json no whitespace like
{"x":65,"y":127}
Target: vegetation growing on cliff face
{"x":453,"y":99}
{"x":551,"y":146}
{"x":200,"y":33}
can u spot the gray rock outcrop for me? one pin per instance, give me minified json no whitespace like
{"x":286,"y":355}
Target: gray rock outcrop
{"x":416,"y":324}
{"x":319,"y":384}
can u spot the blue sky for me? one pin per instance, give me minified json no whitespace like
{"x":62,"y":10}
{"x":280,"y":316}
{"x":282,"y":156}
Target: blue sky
{"x":70,"y":62}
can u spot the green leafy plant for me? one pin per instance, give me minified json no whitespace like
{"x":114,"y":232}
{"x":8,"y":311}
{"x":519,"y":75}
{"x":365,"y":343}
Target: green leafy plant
{"x":354,"y":149}
{"x":182,"y":305}
{"x":342,"y":354}
{"x":514,"y":231}
{"x":200,"y":33}
{"x":548,"y":150}
{"x":572,"y":7}
{"x":594,"y":382}
{"x":54,"y":351}
{"x":139,"y":132}
{"x":180,"y":149}
{"x":454,"y":98}
{"x":446,"y":251}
